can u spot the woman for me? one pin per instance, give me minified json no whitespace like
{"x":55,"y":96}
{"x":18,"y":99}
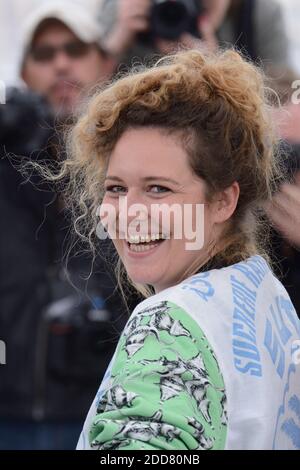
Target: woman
{"x":209,"y":359}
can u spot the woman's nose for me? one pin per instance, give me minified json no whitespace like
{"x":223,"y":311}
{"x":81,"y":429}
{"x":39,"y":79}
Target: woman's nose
{"x":133,"y":209}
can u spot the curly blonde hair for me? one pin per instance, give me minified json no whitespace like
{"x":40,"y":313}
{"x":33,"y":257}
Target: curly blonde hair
{"x":220,"y":103}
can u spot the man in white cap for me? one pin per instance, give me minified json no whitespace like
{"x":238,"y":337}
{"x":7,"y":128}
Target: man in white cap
{"x":62,"y":57}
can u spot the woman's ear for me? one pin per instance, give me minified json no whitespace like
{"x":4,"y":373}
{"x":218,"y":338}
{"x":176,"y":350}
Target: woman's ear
{"x":226,"y":202}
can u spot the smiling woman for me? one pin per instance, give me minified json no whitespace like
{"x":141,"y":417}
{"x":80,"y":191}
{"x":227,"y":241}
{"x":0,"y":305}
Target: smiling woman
{"x":161,"y":262}
{"x":210,"y":131}
{"x":196,"y":366}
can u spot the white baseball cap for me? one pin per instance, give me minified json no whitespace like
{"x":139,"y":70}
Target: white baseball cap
{"x":80,"y":20}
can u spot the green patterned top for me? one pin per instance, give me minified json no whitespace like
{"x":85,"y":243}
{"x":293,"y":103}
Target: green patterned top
{"x":166,"y":391}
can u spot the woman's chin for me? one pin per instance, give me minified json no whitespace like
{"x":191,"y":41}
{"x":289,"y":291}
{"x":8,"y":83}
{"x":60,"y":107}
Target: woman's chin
{"x":142,"y":278}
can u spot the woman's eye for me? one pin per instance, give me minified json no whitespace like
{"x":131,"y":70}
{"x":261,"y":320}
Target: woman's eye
{"x":115,"y":189}
{"x":158,"y":189}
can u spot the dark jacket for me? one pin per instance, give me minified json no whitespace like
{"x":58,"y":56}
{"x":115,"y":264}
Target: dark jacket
{"x":59,"y":340}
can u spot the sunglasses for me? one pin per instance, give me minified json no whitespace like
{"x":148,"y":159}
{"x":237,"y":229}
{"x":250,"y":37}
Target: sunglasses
{"x":73,"y":49}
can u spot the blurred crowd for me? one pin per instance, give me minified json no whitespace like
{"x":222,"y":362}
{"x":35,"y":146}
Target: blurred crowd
{"x":61,"y":312}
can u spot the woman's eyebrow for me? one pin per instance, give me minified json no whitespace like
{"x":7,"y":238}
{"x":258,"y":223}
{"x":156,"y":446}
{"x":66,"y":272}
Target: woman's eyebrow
{"x":115,"y":178}
{"x":160,"y":178}
{"x":146,"y":179}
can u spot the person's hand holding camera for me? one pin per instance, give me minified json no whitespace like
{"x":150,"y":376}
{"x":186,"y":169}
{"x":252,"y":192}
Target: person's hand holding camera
{"x":132,"y":17}
{"x":188,"y":41}
{"x":176,"y":24}
{"x":208,"y":22}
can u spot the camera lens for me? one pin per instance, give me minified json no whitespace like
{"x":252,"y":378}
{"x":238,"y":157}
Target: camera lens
{"x":170,"y":19}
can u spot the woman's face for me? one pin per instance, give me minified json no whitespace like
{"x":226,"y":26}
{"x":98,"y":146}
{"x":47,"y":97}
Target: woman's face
{"x":150,"y":168}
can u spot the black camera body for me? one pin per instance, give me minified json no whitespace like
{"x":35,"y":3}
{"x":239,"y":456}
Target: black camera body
{"x":171,"y":18}
{"x":25,"y":122}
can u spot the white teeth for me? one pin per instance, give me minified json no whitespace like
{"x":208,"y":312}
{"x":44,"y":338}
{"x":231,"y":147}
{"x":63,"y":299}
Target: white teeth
{"x":136,"y":239}
{"x":140,"y":248}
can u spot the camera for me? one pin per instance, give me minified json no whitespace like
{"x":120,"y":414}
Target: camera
{"x":25,"y":122}
{"x":169,"y":19}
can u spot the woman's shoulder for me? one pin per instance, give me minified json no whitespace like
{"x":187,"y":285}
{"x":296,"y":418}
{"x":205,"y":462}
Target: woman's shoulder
{"x":206,"y":284}
{"x":211,"y":298}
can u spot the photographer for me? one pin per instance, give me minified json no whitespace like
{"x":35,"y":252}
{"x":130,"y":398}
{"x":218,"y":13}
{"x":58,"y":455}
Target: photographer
{"x":123,"y":20}
{"x":137,"y":28}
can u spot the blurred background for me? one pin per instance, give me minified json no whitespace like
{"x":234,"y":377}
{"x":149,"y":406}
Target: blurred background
{"x":291,"y":13}
{"x":13,"y":13}
{"x":61,"y":312}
